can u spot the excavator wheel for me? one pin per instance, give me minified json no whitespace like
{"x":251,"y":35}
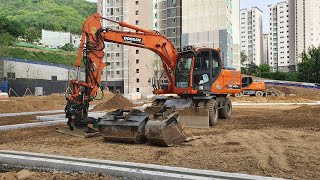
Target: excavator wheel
{"x":225,"y":112}
{"x":212,"y":107}
{"x":259,"y":93}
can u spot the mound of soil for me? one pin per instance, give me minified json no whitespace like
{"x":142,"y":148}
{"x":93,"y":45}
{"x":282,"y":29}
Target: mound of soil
{"x":115,"y":102}
{"x":305,"y":109}
{"x":297,"y":91}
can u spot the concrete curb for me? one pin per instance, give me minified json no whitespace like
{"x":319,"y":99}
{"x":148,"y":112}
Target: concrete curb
{"x":36,"y":112}
{"x":114,"y":168}
{"x":273,"y":104}
{"x":62,"y":116}
{"x":30,"y":113}
{"x":29,"y":125}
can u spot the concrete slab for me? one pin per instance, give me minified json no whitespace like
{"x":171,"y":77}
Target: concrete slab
{"x":114,"y":168}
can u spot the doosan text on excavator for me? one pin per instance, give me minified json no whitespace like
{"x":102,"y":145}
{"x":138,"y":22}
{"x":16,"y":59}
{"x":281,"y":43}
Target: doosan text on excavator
{"x":196,"y":76}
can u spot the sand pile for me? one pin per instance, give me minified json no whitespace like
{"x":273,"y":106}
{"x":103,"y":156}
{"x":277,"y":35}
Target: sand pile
{"x":115,"y":102}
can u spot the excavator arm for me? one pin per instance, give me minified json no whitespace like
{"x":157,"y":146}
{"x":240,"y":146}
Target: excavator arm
{"x":92,"y":47}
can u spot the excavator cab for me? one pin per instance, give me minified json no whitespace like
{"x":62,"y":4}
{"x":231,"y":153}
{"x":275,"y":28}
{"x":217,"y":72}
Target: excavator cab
{"x":204,"y":66}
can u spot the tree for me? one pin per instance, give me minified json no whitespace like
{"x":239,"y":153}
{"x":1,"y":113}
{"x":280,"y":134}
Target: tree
{"x":252,"y":69}
{"x":309,"y":68}
{"x":7,"y":39}
{"x":243,"y":57}
{"x":31,"y":35}
{"x":68,"y":47}
{"x":10,"y":27}
{"x":264,"y":68}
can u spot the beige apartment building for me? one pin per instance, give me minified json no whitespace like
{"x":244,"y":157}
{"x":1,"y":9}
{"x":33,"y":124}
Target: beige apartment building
{"x":251,"y":34}
{"x":213,"y":23}
{"x":265,"y":57}
{"x":279,"y":39}
{"x":130,"y":67}
{"x":305,"y":15}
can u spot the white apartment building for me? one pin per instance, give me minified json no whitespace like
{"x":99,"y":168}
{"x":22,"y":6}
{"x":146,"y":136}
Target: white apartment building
{"x":305,"y":31}
{"x":130,"y":67}
{"x":265,"y":57}
{"x":251,"y":34}
{"x":279,"y":40}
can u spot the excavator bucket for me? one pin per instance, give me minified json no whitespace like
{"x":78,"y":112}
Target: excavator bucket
{"x":162,"y":127}
{"x":123,"y":126}
{"x":80,"y":129}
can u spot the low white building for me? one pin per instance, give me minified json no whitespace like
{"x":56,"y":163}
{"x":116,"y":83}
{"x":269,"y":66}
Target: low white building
{"x":56,"y":39}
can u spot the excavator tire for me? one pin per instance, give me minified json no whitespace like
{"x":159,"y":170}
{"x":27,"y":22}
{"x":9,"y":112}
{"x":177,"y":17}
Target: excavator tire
{"x":212,"y":107}
{"x":259,"y":93}
{"x":225,"y":112}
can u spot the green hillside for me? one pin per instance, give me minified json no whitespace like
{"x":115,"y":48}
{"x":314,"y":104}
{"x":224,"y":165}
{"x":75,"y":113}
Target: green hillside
{"x":58,"y":15}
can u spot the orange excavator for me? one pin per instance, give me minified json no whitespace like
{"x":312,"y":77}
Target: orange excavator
{"x":196,"y":76}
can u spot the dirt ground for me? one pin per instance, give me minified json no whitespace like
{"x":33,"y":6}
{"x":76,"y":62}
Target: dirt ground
{"x":40,"y":103}
{"x":17,"y":120}
{"x":25,"y":174}
{"x":268,"y":141}
{"x":32,"y":103}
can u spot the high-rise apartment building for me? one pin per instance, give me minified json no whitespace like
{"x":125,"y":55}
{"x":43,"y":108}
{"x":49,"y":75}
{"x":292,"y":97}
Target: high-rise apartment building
{"x":279,"y":39}
{"x":130,"y":67}
{"x":210,"y":23}
{"x":305,"y":31}
{"x":236,"y":61}
{"x":265,"y":44}
{"x":251,"y":34}
{"x":169,"y":19}
{"x":195,"y":23}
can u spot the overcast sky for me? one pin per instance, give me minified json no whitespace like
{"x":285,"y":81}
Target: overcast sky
{"x":263,"y":5}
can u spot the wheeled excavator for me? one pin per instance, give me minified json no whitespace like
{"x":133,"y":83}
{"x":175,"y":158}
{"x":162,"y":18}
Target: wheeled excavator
{"x":196,"y":76}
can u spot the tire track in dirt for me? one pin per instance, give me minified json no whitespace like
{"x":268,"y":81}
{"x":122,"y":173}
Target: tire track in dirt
{"x":268,"y":152}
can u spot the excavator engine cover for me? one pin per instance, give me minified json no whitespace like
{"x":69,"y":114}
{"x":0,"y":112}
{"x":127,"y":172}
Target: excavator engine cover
{"x":123,"y":126}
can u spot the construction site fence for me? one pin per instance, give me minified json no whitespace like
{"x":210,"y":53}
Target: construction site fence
{"x":291,"y":84}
